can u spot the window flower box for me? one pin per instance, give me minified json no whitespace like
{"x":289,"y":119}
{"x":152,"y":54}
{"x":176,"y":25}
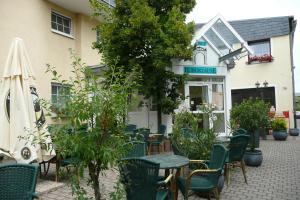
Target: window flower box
{"x":260,"y":59}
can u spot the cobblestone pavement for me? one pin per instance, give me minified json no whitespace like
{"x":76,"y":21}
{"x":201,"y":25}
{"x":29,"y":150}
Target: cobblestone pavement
{"x":278,"y":178}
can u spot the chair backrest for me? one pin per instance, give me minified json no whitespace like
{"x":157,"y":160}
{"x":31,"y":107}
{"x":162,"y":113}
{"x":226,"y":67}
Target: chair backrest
{"x":145,"y":132}
{"x":162,"y":129}
{"x":240,"y":131}
{"x":187,"y":132}
{"x":217,"y":157}
{"x":18,"y":181}
{"x":139,"y":178}
{"x":130,"y":128}
{"x":237,"y":147}
{"x":135,"y":149}
{"x":217,"y":161}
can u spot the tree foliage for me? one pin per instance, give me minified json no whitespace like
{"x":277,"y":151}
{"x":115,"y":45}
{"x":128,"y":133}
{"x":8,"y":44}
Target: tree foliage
{"x":147,"y":35}
{"x":94,"y":121}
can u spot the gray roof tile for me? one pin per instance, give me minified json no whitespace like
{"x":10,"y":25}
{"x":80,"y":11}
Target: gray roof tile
{"x":262,"y":28}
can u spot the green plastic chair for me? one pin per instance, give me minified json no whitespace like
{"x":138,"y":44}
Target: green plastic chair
{"x":187,"y":133}
{"x":135,"y":149}
{"x":130,"y":129}
{"x":162,"y":129}
{"x":18,"y":181}
{"x":157,"y":142}
{"x":205,"y":180}
{"x":237,"y":148}
{"x":140,"y":177}
{"x":240,"y":131}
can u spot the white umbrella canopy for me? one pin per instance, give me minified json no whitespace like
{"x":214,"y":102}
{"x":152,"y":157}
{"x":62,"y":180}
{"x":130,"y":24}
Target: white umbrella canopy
{"x":21,"y":117}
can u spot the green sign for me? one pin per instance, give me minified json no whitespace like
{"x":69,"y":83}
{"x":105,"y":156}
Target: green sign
{"x":200,"y":70}
{"x":201,"y":43}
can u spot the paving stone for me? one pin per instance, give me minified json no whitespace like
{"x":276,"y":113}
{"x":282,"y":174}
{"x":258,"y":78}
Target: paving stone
{"x":278,"y":177}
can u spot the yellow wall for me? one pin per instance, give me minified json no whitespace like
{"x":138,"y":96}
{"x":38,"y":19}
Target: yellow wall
{"x":31,"y":21}
{"x":277,"y":73}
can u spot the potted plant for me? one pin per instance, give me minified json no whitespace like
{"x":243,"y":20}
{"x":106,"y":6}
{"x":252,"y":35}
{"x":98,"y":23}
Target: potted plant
{"x":279,"y":129}
{"x":252,"y":115}
{"x":294,"y":131}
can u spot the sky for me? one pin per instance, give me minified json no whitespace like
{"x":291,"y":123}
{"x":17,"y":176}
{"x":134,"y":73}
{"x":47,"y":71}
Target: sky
{"x":237,"y":9}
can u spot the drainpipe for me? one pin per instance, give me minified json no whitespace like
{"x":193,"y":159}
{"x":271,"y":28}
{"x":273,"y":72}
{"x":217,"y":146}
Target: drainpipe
{"x":293,"y":24}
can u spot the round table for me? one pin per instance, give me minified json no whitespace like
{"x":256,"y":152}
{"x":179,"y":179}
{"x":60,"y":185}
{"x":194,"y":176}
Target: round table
{"x":167,"y":162}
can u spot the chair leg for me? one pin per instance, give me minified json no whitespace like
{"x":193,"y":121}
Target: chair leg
{"x":149,"y":149}
{"x":227,"y":173}
{"x":217,"y":195}
{"x":244,"y":170}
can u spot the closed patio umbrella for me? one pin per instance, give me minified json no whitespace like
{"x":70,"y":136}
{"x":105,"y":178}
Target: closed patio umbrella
{"x":21,"y":118}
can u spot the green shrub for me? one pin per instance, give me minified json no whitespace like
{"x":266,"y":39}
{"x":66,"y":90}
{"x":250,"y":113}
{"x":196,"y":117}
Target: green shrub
{"x":199,"y":145}
{"x":279,"y":124}
{"x":252,"y":115}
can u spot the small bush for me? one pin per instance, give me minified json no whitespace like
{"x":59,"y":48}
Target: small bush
{"x":279,"y":124}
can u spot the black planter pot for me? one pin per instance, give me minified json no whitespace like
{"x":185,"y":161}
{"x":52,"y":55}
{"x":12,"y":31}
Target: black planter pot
{"x":280,"y":135}
{"x":294,"y":131}
{"x":253,"y":158}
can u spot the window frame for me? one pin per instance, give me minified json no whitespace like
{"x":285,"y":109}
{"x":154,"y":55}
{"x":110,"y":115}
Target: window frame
{"x":58,"y":86}
{"x":61,"y":32}
{"x":256,"y":59}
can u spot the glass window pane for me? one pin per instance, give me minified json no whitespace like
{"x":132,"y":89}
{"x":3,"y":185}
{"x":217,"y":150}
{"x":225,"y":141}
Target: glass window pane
{"x":66,"y":22}
{"x":66,"y":30}
{"x":219,"y":123}
{"x":218,"y":96}
{"x":53,"y":17}
{"x":54,"y":90}
{"x":59,"y":20}
{"x":198,"y":96}
{"x":261,"y":48}
{"x":60,"y":27}
{"x":54,"y":26}
{"x":54,"y":99}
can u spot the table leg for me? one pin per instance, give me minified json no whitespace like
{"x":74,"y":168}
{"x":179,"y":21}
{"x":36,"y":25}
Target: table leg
{"x":175,"y":188}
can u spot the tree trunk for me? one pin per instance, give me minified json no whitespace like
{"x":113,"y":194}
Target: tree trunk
{"x":159,"y":113}
{"x":94,"y":175}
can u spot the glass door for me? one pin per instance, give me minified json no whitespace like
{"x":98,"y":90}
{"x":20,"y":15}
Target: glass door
{"x":210,"y":94}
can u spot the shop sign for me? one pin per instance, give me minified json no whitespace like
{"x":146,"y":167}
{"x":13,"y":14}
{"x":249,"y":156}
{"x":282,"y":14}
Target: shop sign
{"x":200,"y":70}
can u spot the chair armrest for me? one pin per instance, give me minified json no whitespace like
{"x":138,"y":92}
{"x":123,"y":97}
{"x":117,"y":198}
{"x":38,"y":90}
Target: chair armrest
{"x":202,"y":162}
{"x":203,"y":171}
{"x":164,"y":182}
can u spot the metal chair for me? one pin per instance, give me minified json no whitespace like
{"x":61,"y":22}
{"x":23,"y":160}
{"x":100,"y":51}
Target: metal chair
{"x":205,"y":180}
{"x":140,"y":180}
{"x":237,"y":148}
{"x":18,"y":181}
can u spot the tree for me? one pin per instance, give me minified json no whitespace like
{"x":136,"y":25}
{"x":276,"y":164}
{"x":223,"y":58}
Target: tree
{"x":93,"y":114}
{"x":147,"y":35}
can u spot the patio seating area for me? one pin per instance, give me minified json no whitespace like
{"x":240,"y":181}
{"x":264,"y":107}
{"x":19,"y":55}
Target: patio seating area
{"x":277,"y":177}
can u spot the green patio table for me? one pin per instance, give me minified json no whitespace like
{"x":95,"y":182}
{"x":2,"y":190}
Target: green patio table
{"x":167,"y":162}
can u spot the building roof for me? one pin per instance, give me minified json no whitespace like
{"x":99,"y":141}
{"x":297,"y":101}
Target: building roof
{"x":262,"y":28}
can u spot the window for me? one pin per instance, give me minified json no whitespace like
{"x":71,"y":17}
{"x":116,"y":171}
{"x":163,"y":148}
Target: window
{"x":261,"y":51}
{"x":111,"y":3}
{"x":61,"y":24}
{"x":98,"y":36}
{"x":265,"y":93}
{"x":59,"y":95}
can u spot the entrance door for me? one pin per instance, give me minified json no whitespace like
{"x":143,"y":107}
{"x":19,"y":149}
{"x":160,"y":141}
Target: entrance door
{"x":210,"y":94}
